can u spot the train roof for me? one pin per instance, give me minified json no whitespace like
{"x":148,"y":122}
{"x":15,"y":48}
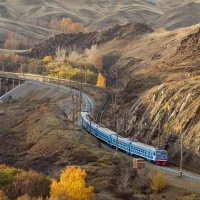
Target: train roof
{"x":106,"y":130}
{"x":122,"y":138}
{"x":145,"y":146}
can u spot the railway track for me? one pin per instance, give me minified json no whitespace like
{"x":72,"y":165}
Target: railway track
{"x":104,"y":106}
{"x":74,"y":84}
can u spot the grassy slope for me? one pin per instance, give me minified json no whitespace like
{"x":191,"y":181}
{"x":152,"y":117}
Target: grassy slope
{"x":92,"y":13}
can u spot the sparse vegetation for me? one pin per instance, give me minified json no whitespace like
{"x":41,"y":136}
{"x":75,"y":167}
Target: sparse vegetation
{"x":31,"y":183}
{"x":3,"y":196}
{"x":159,"y":182}
{"x":143,"y":180}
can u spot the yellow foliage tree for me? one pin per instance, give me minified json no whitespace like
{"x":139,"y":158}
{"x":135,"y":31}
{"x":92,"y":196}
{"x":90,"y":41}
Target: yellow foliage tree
{"x":47,"y":59}
{"x":166,"y":106}
{"x":159,"y":182}
{"x":72,"y":185}
{"x":101,"y":81}
{"x":165,"y":126}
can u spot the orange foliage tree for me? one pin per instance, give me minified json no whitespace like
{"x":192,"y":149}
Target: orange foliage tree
{"x":67,"y":25}
{"x":101,"y":81}
{"x":47,"y":59}
{"x":11,"y":41}
{"x":72,"y":185}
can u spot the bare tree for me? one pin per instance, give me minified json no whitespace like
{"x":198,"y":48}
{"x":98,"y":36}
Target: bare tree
{"x":124,"y":179}
{"x":143,"y":180}
{"x":94,"y":57}
{"x":60,"y":54}
{"x":74,"y":57}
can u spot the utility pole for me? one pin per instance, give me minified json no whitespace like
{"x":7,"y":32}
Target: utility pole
{"x":70,"y":78}
{"x":21,"y":67}
{"x":125,"y":122}
{"x":85,"y":74}
{"x":81,"y":96}
{"x":181,"y":159}
{"x":90,"y":124}
{"x":115,"y":110}
{"x":73,"y":117}
{"x":159,"y":134}
{"x":117,"y":140}
{"x":58,"y":79}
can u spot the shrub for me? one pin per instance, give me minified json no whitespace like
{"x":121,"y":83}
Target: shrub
{"x":166,"y":106}
{"x":26,"y":197}
{"x":3,"y":196}
{"x":47,"y":59}
{"x":143,"y":180}
{"x":189,"y":197}
{"x":31,"y":183}
{"x":7,"y":175}
{"x":71,"y":185}
{"x":159,"y":182}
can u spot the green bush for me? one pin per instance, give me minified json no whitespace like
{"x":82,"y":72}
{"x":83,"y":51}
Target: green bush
{"x":7,"y":175}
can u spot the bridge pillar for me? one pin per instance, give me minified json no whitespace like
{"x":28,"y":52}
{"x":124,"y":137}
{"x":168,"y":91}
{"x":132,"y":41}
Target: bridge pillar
{"x":6,"y":85}
{"x":0,"y":84}
{"x":13,"y":83}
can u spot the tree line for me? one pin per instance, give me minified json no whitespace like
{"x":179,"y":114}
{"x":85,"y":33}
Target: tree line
{"x":64,"y":25}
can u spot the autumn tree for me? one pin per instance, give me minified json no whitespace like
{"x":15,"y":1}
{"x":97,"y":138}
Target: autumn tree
{"x":72,"y":185}
{"x":60,"y":54}
{"x":11,"y":41}
{"x":159,"y":182}
{"x":67,"y":25}
{"x":94,"y":57}
{"x":101,"y":81}
{"x":47,"y":59}
{"x":74,"y":58}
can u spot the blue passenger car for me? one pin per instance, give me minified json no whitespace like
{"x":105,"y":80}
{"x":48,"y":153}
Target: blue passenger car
{"x":123,"y":143}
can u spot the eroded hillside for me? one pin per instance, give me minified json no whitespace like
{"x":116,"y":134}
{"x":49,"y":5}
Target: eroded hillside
{"x":155,"y":75}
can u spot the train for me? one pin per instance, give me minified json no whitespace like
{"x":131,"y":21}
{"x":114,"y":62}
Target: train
{"x":149,"y":153}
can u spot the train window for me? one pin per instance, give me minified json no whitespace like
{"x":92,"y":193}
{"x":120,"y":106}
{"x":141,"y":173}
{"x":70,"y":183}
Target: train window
{"x":158,"y":153}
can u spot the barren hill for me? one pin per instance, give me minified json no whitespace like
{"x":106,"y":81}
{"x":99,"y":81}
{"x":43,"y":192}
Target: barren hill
{"x":18,"y":15}
{"x":186,"y":15}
